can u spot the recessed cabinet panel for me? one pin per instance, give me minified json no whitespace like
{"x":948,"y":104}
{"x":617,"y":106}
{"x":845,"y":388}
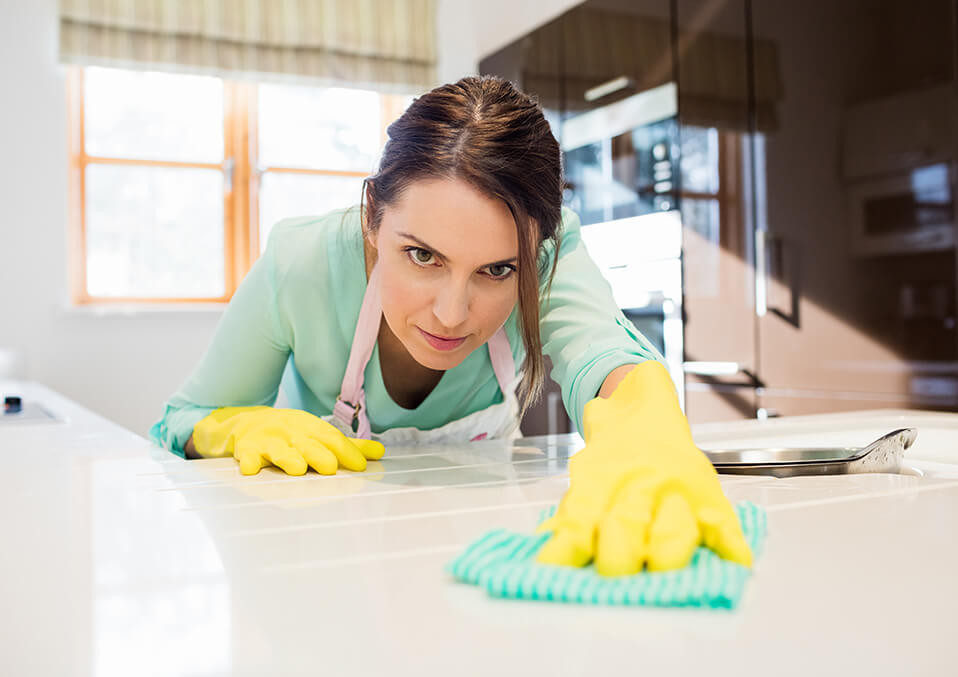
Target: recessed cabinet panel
{"x":857,"y":231}
{"x":717,"y":239}
{"x":813,"y":162}
{"x":710,"y":403}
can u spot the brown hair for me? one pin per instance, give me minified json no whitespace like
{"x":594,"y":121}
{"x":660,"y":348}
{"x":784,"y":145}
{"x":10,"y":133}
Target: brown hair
{"x":486,"y":132}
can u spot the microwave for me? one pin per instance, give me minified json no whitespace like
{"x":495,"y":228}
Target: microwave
{"x":907,"y":212}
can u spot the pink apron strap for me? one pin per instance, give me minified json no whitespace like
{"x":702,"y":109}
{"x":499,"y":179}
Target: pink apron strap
{"x":502,"y":362}
{"x":351,"y":403}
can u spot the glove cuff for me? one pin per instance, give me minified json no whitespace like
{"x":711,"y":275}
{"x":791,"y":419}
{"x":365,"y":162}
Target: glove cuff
{"x":211,"y":435}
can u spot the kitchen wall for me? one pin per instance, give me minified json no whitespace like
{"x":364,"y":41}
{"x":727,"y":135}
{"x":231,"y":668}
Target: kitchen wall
{"x":123,"y":365}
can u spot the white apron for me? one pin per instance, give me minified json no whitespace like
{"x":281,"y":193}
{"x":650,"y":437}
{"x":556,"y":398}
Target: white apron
{"x":496,"y":421}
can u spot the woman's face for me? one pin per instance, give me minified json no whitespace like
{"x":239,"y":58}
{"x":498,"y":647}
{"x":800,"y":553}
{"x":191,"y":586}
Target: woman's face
{"x":447,"y":256}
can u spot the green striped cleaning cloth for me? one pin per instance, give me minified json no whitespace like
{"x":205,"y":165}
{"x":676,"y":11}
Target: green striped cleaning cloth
{"x":503,"y":563}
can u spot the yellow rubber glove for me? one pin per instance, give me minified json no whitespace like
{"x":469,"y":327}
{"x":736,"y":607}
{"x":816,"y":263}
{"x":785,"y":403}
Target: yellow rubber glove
{"x":291,"y":439}
{"x":640,"y":491}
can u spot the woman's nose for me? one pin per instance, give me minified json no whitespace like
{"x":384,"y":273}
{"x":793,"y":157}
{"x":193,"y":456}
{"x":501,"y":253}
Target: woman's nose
{"x":451,"y":306}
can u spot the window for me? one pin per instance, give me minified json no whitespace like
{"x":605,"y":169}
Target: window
{"x":711,"y":183}
{"x":176,"y":179}
{"x":716,"y":243}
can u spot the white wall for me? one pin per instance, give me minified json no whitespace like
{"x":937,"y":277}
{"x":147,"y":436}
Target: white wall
{"x":124,"y":366}
{"x":496,"y":23}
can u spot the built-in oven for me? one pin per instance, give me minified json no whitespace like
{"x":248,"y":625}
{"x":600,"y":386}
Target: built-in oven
{"x":912,"y":210}
{"x":621,"y":159}
{"x":640,"y":258}
{"x":620,"y":163}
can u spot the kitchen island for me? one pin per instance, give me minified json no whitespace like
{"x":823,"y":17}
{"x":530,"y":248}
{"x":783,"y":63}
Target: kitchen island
{"x":120,"y":558}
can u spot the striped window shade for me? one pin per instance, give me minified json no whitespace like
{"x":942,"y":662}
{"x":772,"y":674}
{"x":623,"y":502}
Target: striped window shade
{"x":388,"y":45}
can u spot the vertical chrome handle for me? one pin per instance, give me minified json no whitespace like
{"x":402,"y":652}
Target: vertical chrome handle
{"x":770,"y":250}
{"x":711,"y":368}
{"x":761,"y":272}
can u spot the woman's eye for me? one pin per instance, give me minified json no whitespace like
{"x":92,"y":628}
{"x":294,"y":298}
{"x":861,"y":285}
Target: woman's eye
{"x":500,"y":270}
{"x":421,"y":256}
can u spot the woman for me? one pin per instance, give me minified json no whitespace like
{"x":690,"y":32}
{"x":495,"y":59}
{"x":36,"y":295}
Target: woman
{"x":403,"y":320}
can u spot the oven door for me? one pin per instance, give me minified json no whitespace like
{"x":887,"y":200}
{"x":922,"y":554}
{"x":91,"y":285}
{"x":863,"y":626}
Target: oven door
{"x":650,"y":321}
{"x":659,"y":319}
{"x":910,"y":212}
{"x":649,"y":293}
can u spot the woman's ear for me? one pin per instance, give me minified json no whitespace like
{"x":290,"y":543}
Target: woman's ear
{"x":372,"y":237}
{"x":370,"y":234}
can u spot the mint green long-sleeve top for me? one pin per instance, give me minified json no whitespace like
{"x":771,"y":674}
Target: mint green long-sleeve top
{"x":290,"y":324}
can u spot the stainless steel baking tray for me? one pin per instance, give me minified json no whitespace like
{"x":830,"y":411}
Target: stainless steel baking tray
{"x":883,"y":455}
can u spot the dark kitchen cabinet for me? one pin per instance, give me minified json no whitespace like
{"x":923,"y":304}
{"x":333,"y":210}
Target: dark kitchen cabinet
{"x":602,"y":73}
{"x":814,"y":160}
{"x":828,"y":281}
{"x":715,"y":103}
{"x":854,"y":205}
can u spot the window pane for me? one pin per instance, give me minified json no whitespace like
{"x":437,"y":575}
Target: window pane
{"x":700,"y":170}
{"x":154,"y":116}
{"x":154,"y":232}
{"x":286,"y":195}
{"x":701,"y":248}
{"x":702,"y":216}
{"x":318,"y":128}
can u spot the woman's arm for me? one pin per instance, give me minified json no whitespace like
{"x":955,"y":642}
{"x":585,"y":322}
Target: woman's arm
{"x":242,"y":366}
{"x":613,"y":379}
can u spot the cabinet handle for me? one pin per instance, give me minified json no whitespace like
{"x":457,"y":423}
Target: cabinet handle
{"x":712,"y":368}
{"x":761,"y":273}
{"x":790,"y":269}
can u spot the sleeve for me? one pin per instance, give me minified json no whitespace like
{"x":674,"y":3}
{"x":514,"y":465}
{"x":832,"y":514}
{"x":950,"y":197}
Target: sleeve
{"x":243,"y":364}
{"x":583,"y":330}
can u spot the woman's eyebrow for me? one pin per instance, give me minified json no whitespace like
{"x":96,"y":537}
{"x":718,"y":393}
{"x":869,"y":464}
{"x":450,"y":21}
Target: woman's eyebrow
{"x":442,"y":256}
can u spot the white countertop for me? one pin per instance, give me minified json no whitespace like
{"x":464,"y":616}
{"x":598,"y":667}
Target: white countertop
{"x":119,"y":558}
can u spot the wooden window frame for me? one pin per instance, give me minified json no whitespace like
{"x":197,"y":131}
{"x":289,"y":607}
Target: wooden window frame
{"x":242,"y":183}
{"x":728,"y":194}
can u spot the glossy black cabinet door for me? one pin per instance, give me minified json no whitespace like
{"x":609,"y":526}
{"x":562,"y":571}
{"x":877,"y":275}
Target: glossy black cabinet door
{"x":592,"y":70}
{"x":854,"y":205}
{"x":814,"y":164}
{"x":716,"y":99}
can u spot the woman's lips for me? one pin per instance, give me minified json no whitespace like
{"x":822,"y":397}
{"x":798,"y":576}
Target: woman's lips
{"x":441,"y":343}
